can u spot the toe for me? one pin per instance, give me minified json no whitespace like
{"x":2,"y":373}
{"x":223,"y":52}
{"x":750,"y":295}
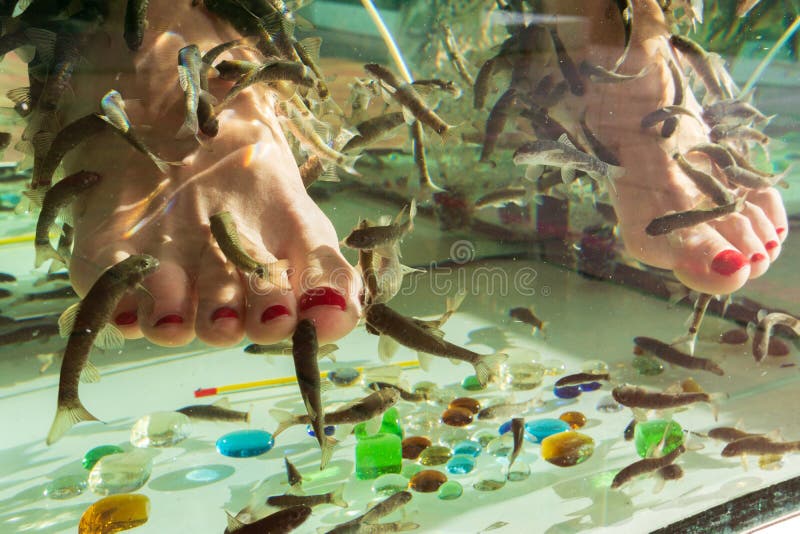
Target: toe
{"x":707,"y":262}
{"x":739,"y":232}
{"x":271,"y":311}
{"x":763,"y":228}
{"x":220,"y":301}
{"x":770,"y":202}
{"x":167,"y":315}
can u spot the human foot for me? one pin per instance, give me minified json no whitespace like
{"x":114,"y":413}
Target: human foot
{"x":716,"y":257}
{"x":247,"y":169}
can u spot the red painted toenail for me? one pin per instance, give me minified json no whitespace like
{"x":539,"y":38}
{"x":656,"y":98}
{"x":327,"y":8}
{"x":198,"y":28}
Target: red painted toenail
{"x":273,"y":312}
{"x":757,"y":257}
{"x":728,"y":262}
{"x":769,"y":245}
{"x":224,"y":313}
{"x":172,"y":318}
{"x":780,"y":230}
{"x":322,"y":296}
{"x":126,"y":318}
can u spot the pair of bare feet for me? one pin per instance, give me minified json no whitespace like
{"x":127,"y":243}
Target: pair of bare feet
{"x":248,"y":169}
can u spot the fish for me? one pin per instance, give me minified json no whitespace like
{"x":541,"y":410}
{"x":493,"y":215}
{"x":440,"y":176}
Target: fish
{"x":212,"y":54}
{"x":6,"y":278}
{"x":546,"y":127}
{"x":389,"y":274}
{"x":701,"y":63}
{"x":706,"y":183}
{"x":568,"y":158}
{"x":637,"y":397}
{"x":528,"y":316}
{"x":518,"y":432}
{"x":370,"y":407}
{"x":86,"y":321}
{"x":383,"y":239}
{"x":312,"y":170}
{"x":206,"y":115}
{"x":430,"y":86}
{"x":135,"y":21}
{"x":600,"y":150}
{"x":685,"y":219}
{"x":5,"y":140}
{"x":729,"y":434}
{"x":374,"y":129}
{"x":508,"y":410}
{"x":304,"y":352}
{"x":397,"y":329}
{"x":763,"y":331}
{"x":293,"y":476}
{"x":754,"y":180}
{"x":743,"y":7}
{"x":406,"y":395}
{"x":759,"y":446}
{"x":501,"y":197}
{"x":367,"y":522}
{"x":665,"y":113}
{"x":189,"y":66}
{"x":670,"y":124}
{"x":233,"y":69}
{"x":495,"y":123}
{"x":738,"y":132}
{"x":599,"y":74}
{"x":270,"y":72}
{"x":733,"y":112}
{"x":41,"y":332}
{"x":225,"y":233}
{"x":58,"y":197}
{"x":218,"y":411}
{"x":568,"y":68}
{"x":644,"y":466}
{"x":670,"y":354}
{"x":720,"y":155}
{"x":334,"y":497}
{"x":481,"y":88}
{"x":670,"y":472}
{"x":699,"y":311}
{"x":426,"y":186}
{"x":64,"y":246}
{"x":366,"y":267}
{"x":581,"y":378}
{"x":455,"y":56}
{"x":280,"y":522}
{"x":285,"y":349}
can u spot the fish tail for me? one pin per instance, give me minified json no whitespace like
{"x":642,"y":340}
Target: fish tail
{"x":285,"y":420}
{"x":487,"y":369}
{"x":66,"y":417}
{"x":46,"y":252}
{"x":404,"y":526}
{"x":189,"y":127}
{"x":337,"y":497}
{"x":713,"y":400}
{"x":348,"y":163}
{"x":327,"y":453}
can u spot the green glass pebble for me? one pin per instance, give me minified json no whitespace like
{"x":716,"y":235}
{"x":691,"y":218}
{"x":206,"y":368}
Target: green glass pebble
{"x":160,"y":429}
{"x":647,"y":366}
{"x":93,"y":456}
{"x":390,"y":424}
{"x":121,"y":473}
{"x":389,"y":484}
{"x":648,"y":436}
{"x":65,"y":487}
{"x":450,"y":491}
{"x":435,"y":455}
{"x":471,"y":383}
{"x":377,"y":455}
{"x":411,"y":469}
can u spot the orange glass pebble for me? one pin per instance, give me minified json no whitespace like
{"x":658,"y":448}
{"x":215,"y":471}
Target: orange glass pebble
{"x":466,"y":402}
{"x":114,"y":514}
{"x":566,"y":449}
{"x":427,"y":481}
{"x":414,"y":445}
{"x":457,"y":417}
{"x":575,"y":420}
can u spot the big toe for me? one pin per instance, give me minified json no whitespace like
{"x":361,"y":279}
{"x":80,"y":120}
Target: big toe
{"x":709,"y":263}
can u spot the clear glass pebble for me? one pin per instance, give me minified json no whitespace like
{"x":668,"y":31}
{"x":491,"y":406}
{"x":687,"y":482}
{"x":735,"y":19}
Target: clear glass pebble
{"x":121,"y":473}
{"x":389,"y":484}
{"x":490,"y":478}
{"x":160,"y":429}
{"x":523,"y":376}
{"x":594,"y":367}
{"x":65,"y":487}
{"x":608,"y":405}
{"x":501,"y":446}
{"x":484,"y":436}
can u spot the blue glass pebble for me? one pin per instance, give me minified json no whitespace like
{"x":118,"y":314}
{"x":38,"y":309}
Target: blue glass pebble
{"x":329,"y":431}
{"x":245,"y":443}
{"x":460,"y":464}
{"x":505,"y":427}
{"x":567,"y":392}
{"x":542,"y":428}
{"x":590,"y":386}
{"x":468,"y":447}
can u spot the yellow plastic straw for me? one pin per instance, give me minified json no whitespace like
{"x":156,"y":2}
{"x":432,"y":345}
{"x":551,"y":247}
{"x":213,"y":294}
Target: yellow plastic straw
{"x":13,"y":240}
{"x":394,"y":51}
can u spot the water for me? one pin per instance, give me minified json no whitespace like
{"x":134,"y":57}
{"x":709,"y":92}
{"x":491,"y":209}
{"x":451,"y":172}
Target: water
{"x":556,"y":253}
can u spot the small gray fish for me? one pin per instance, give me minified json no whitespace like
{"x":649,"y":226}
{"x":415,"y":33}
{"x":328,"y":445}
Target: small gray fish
{"x":496,"y":122}
{"x":406,"y":395}
{"x":637,"y":397}
{"x":665,"y":113}
{"x":233,"y":69}
{"x":720,"y":155}
{"x":759,"y":446}
{"x":763,"y":331}
{"x":502,"y":197}
{"x":506,"y":410}
{"x":484,"y":78}
{"x":281,"y":522}
{"x":670,"y":354}
{"x":189,"y":66}
{"x":211,"y":56}
{"x":686,"y":219}
{"x":426,"y":186}
{"x":599,"y":74}
{"x":671,"y":124}
{"x":528,"y":316}
{"x":600,"y":150}
{"x":728,"y":434}
{"x":272,"y":71}
{"x":135,"y":20}
{"x":738,"y":132}
{"x":6,"y":278}
{"x":700,"y":61}
{"x":706,"y":183}
{"x":293,"y":476}
{"x":644,"y":466}
{"x":568,"y":158}
{"x":568,"y":68}
{"x":364,"y":522}
{"x":459,"y":63}
{"x":334,"y":497}
{"x":732,"y":112}
{"x":207,"y":115}
{"x":311,"y":170}
{"x":70,"y":136}
{"x":219,"y":411}
{"x":753,"y":180}
{"x":383,"y":238}
{"x":581,"y":378}
{"x":284,"y":348}
{"x":374,"y":129}
{"x":65,"y":292}
{"x":518,"y":432}
{"x":670,"y":472}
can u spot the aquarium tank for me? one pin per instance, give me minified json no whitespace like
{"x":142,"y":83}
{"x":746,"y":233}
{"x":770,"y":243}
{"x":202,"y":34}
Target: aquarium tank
{"x":366,"y":266}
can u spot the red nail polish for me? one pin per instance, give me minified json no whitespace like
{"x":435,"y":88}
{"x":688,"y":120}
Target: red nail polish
{"x":757,"y":257}
{"x":125,"y":318}
{"x":728,"y":262}
{"x":769,"y":245}
{"x":224,"y":313}
{"x":780,"y":230}
{"x":172,"y":318}
{"x":322,"y":296}
{"x":273,"y":312}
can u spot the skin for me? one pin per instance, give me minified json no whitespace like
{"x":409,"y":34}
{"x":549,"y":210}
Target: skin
{"x":250,"y":151}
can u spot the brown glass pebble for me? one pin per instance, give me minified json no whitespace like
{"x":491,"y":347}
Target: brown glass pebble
{"x":457,"y":417}
{"x":574,"y":419}
{"x":414,"y":445}
{"x":427,"y":481}
{"x":737,"y":336}
{"x":466,"y":402}
{"x":777,"y":347}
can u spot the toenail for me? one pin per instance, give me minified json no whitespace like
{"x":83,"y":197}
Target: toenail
{"x":757,"y":257}
{"x":728,"y":262}
{"x":125,"y":318}
{"x":780,"y":230}
{"x":769,"y":245}
{"x":172,"y":318}
{"x":224,"y":313}
{"x":273,"y":312}
{"x":322,"y":296}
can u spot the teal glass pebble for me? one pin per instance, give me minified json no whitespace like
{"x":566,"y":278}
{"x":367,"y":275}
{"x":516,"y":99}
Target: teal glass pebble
{"x":471,"y":383}
{"x":650,"y":435}
{"x":377,"y":455}
{"x":65,"y":487}
{"x":461,"y":464}
{"x":93,"y":456}
{"x":648,"y":366}
{"x":468,"y":447}
{"x":245,"y":443}
{"x":450,"y":490}
{"x":539,"y":429}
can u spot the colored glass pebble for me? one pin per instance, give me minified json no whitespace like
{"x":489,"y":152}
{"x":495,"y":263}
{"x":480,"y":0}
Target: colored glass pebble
{"x":504,"y":428}
{"x":120,"y":473}
{"x":414,"y":445}
{"x":575,"y":420}
{"x":377,"y":455}
{"x":468,"y":403}
{"x":590,"y":386}
{"x":457,"y":417}
{"x":389,"y":484}
{"x":450,"y":490}
{"x":501,"y":446}
{"x":539,"y":429}
{"x":468,"y":447}
{"x":737,"y":336}
{"x":160,"y":429}
{"x":647,"y":366}
{"x":689,"y":385}
{"x":329,"y":431}
{"x":460,"y":464}
{"x":435,"y":455}
{"x":427,"y":481}
{"x":115,"y":514}
{"x":648,"y":436}
{"x":344,"y":376}
{"x":471,"y":383}
{"x":566,"y":449}
{"x":484,"y":436}
{"x":390,"y":424}
{"x":594,"y":366}
{"x":491,"y":478}
{"x":608,"y":405}
{"x":94,"y":455}
{"x":524,"y":376}
{"x":409,"y":470}
{"x":65,"y":487}
{"x":566,"y":392}
{"x":245,"y":443}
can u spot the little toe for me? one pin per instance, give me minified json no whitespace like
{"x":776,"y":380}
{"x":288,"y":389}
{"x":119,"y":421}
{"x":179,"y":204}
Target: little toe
{"x":220,"y":301}
{"x":738,"y":230}
{"x":167,"y":315}
{"x":770,"y":201}
{"x":707,"y":262}
{"x":763,"y":228}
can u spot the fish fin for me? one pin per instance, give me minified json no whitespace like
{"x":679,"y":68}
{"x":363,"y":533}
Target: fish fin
{"x":744,"y":462}
{"x":677,"y":292}
{"x":762,"y":313}
{"x":233,"y":523}
{"x":183,"y":77}
{"x":564,"y":139}
{"x":373,"y":425}
{"x":90,"y":373}
{"x":454,"y":361}
{"x":211,"y":99}
{"x":325,"y":386}
{"x":66,"y":321}
{"x":329,"y":174}
{"x":285,"y":420}
{"x":328,"y":351}
{"x":44,"y":41}
{"x":453,"y":302}
{"x":533,"y":172}
{"x":750,"y":329}
{"x":36,"y":195}
{"x":337,"y":497}
{"x":488,"y":367}
{"x":110,"y":337}
{"x":659,"y":485}
{"x":222,"y":402}
{"x":387,"y":348}
{"x":311,"y":45}
{"x":774,"y":435}
{"x":66,"y":418}
{"x":424,"y":360}
{"x":714,"y":400}
{"x":327,"y":453}
{"x":408,"y":117}
{"x":189,"y":127}
{"x":639,"y":414}
{"x":44,"y":253}
{"x":312,"y":413}
{"x":403,"y":526}
{"x":567,"y":175}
